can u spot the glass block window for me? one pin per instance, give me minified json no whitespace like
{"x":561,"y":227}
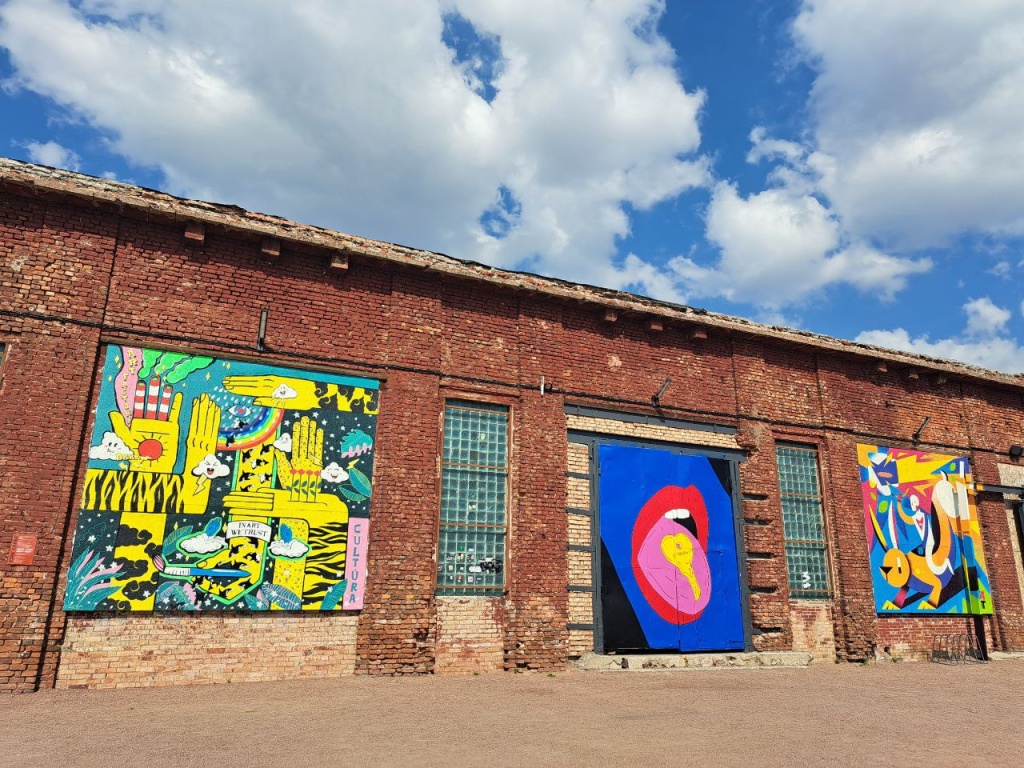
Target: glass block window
{"x":474,"y":473}
{"x":802,"y":525}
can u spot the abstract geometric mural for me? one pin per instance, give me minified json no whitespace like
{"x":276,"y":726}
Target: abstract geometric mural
{"x":222,"y":485}
{"x":923,"y":533}
{"x":669,"y":566}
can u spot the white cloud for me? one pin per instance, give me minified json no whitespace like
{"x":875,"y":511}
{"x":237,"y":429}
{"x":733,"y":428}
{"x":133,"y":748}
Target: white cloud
{"x":781,"y":245}
{"x":202,"y":544}
{"x":1001,"y":269}
{"x":292,"y":549}
{"x":211,"y":467}
{"x":982,"y":341}
{"x":917,"y":107}
{"x":984,"y":318}
{"x":333,"y":473}
{"x":913,"y":140}
{"x":284,"y":443}
{"x":284,"y":392}
{"x":357,"y":116}
{"x":111,"y":448}
{"x":53,"y":154}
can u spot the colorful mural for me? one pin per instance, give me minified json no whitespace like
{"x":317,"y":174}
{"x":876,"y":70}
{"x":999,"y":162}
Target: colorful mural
{"x":669,"y":567}
{"x":923,"y":533}
{"x":222,"y":485}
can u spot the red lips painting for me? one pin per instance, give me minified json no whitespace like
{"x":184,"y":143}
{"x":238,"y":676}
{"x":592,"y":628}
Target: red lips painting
{"x":669,"y":553}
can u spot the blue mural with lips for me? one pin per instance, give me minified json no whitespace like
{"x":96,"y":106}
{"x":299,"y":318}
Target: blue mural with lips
{"x":670,"y":572}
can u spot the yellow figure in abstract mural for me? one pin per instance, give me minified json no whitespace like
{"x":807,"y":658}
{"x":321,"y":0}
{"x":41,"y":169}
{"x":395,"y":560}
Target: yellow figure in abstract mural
{"x":923,"y":534}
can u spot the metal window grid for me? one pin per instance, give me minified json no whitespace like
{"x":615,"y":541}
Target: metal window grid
{"x":802,"y":523}
{"x":474,"y":489}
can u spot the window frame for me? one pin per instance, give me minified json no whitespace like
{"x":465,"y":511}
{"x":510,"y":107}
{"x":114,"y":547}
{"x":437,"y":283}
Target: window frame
{"x":470,"y":402}
{"x":797,"y":592}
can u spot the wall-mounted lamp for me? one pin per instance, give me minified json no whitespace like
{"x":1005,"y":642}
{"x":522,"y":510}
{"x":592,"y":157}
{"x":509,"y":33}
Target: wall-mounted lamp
{"x":261,"y":334}
{"x":917,"y":435}
{"x":1016,"y":451}
{"x":656,"y":397}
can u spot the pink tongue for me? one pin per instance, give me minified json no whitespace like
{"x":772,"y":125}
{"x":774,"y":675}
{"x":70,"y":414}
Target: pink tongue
{"x":666,"y":579}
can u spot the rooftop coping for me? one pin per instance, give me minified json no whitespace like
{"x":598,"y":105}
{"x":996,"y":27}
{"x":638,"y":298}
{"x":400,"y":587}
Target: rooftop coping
{"x":39,"y":180}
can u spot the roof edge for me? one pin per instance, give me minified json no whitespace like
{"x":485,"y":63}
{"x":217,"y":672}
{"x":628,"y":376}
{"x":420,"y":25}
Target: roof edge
{"x":43,"y":179}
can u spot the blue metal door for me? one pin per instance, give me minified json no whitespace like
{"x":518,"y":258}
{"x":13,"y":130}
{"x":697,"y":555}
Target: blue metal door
{"x":669,"y":563}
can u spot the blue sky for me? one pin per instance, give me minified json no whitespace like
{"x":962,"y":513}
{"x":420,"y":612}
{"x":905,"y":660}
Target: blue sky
{"x":855,"y":169}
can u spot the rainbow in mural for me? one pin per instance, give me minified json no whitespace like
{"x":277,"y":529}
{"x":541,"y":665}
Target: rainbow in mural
{"x":923,"y":533}
{"x":224,"y":485}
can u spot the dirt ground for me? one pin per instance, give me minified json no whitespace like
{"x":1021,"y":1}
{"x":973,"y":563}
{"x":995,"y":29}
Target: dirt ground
{"x":881,"y":714}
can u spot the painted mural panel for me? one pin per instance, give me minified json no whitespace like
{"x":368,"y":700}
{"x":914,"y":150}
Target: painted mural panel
{"x":224,"y":485}
{"x":669,"y":566}
{"x":923,"y":533}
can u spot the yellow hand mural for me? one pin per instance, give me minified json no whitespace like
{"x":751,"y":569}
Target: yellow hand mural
{"x":301,"y":473}
{"x":275,"y":391}
{"x":200,"y":443}
{"x":153,"y":442}
{"x":268,"y":503}
{"x":303,"y":394}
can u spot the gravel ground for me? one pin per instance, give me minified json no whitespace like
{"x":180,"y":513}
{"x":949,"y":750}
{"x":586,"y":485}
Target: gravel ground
{"x":881,"y":714}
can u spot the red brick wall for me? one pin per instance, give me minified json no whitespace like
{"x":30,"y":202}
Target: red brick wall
{"x":429,"y":337}
{"x":53,"y":261}
{"x":396,"y":627}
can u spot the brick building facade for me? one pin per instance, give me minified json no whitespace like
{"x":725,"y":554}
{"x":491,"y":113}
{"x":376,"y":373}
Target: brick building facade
{"x":87,"y":266}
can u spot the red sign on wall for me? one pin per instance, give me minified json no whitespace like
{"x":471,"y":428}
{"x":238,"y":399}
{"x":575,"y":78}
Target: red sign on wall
{"x":23,"y":549}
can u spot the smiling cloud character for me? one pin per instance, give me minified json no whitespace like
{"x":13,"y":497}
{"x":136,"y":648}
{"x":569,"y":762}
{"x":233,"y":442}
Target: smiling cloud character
{"x":333,"y":473}
{"x":211,"y":467}
{"x":111,"y":448}
{"x":208,"y":469}
{"x":284,"y":392}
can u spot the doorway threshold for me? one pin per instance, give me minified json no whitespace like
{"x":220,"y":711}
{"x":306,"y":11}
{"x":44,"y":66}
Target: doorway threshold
{"x":681,"y":661}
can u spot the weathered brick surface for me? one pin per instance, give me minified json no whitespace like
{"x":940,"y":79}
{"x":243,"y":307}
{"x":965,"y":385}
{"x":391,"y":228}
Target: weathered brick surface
{"x":470,"y":635}
{"x":813,"y":631}
{"x":537,"y":606}
{"x":73,"y":276}
{"x":912,"y":637}
{"x":763,"y":537}
{"x":130,"y":651}
{"x":762,"y":392}
{"x":856,"y":627}
{"x":396,"y":627}
{"x":609,"y":426}
{"x":53,"y":260}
